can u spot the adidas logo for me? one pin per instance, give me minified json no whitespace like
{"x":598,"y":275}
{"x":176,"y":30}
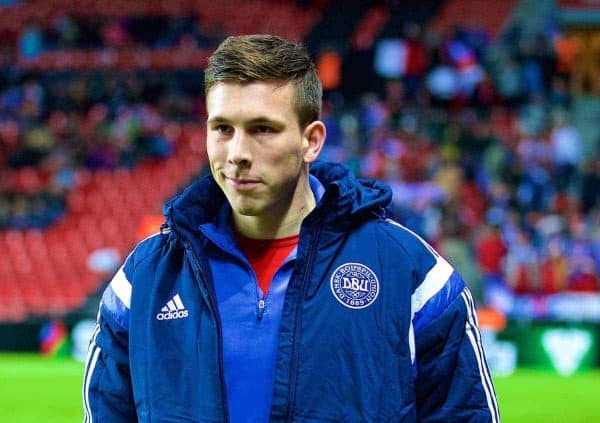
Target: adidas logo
{"x":173,"y":310}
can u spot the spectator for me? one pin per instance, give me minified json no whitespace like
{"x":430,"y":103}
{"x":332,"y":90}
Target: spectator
{"x":454,"y":244}
{"x":521,"y":265}
{"x":554,"y":268}
{"x":30,"y":41}
{"x":491,"y":250}
{"x":509,"y":82}
{"x":567,"y":151}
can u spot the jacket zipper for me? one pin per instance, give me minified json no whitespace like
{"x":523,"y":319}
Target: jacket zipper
{"x":201,"y":277}
{"x":261,"y":308}
{"x":261,"y":301}
{"x":261,"y":305}
{"x":298,"y":323}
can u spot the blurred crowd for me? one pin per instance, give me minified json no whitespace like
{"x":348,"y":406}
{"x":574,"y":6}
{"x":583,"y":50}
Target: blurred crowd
{"x":474,"y":136}
{"x":72,"y":33}
{"x":51,"y":125}
{"x":477,"y":141}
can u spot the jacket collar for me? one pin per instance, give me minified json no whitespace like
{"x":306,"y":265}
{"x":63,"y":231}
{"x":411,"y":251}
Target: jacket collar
{"x":344,"y":200}
{"x":220,"y":232}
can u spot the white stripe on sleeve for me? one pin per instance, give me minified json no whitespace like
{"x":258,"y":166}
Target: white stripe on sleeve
{"x":475,"y":339}
{"x":91,"y":346}
{"x":90,"y":364}
{"x":88,"y":379}
{"x":122,"y":287}
{"x":434,"y":281}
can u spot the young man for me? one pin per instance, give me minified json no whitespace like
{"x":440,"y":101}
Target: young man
{"x":278,"y":293}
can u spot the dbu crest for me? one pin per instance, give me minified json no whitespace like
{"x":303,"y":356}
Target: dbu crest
{"x":354,"y":285}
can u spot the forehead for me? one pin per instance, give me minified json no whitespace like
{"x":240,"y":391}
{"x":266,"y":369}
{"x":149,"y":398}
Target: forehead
{"x":234,"y":101}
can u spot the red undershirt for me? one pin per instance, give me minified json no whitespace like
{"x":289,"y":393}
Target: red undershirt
{"x":266,"y":256}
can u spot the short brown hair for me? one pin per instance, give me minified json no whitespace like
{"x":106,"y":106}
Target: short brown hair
{"x":252,"y":58}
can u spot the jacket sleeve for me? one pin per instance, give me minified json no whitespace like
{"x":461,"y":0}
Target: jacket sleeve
{"x":107,"y":391}
{"x":453,"y":383}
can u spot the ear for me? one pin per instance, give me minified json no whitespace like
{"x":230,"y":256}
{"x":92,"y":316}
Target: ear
{"x":313,"y":139}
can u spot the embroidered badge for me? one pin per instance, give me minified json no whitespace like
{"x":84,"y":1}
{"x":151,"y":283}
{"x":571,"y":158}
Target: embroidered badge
{"x":354,"y":285}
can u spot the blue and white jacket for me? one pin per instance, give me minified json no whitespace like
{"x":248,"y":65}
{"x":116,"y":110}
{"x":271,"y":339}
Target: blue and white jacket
{"x":374,"y":326}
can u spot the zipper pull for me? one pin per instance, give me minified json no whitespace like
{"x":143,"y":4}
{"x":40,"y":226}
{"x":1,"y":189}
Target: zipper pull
{"x":261,"y":308}
{"x":164,"y":228}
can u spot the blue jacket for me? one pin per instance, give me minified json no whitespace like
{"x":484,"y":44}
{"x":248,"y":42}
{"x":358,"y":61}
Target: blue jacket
{"x":375,"y":326}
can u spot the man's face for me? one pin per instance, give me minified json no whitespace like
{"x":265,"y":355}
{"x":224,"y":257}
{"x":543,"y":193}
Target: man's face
{"x":255,"y":146}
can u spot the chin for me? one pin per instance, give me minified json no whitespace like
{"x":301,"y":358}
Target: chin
{"x":246,"y":209}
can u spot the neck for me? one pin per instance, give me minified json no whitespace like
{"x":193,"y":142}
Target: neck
{"x":281,"y":223}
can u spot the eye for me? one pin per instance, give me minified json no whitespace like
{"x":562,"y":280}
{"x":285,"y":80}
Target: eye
{"x":263,"y":129}
{"x":223,"y":129}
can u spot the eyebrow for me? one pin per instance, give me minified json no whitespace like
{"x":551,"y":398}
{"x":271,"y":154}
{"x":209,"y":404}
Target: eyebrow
{"x":259,"y":120}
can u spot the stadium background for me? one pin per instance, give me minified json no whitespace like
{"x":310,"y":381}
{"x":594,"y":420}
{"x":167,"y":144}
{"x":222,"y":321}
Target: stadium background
{"x":483,"y":116}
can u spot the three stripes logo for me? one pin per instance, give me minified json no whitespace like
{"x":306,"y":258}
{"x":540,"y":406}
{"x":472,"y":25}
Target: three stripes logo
{"x":173,"y":310}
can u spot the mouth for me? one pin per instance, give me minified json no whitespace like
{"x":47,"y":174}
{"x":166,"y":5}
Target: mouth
{"x":242,"y":184}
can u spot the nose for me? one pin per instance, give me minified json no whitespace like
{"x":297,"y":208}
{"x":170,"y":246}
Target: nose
{"x":240,"y":153}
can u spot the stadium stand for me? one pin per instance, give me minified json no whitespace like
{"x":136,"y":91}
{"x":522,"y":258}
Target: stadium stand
{"x":467,"y":13}
{"x":472,"y":126}
{"x":46,"y":272}
{"x":121,"y":155}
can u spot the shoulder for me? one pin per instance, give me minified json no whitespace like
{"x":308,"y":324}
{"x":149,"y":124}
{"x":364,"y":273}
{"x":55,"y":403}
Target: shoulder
{"x":437,"y":285}
{"x":116,"y":298}
{"x":404,"y":236}
{"x":146,"y":248}
{"x":407,"y":242}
